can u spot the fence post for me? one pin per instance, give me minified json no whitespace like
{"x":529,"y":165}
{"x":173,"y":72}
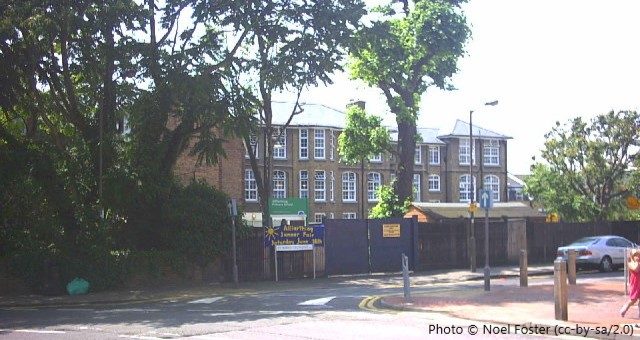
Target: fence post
{"x":405,"y":278}
{"x":524,"y":268}
{"x":560,"y":289}
{"x":571,"y":267}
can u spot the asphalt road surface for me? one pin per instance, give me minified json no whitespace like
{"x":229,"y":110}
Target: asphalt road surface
{"x":332,"y":311}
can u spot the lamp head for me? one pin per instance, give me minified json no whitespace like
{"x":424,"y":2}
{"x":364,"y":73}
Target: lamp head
{"x":492,"y":103}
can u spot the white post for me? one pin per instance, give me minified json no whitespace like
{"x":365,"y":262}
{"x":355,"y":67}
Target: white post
{"x":626,"y":272}
{"x":275,"y":257}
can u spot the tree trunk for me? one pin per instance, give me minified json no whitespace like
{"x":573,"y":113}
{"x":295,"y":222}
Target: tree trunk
{"x":406,"y":152}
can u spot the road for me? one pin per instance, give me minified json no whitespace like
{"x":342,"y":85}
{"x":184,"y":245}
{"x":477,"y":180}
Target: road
{"x":327,"y":309}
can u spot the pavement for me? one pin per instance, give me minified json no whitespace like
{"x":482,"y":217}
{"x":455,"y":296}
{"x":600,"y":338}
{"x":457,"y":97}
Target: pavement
{"x":592,"y":304}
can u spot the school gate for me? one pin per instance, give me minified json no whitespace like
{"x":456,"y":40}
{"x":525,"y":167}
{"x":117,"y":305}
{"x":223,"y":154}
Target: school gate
{"x":363,"y":246}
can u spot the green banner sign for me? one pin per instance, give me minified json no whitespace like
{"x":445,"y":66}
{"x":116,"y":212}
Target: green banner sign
{"x":288,"y":206}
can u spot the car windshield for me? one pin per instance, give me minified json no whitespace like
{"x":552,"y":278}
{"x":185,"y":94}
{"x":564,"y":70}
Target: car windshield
{"x":585,"y":241}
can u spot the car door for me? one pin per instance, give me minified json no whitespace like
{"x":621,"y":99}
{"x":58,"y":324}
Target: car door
{"x":621,"y":246}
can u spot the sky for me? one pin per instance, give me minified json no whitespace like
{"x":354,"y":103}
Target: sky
{"x":543,"y":60}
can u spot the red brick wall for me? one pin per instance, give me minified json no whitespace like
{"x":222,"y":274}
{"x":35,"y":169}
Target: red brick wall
{"x":227,"y":175}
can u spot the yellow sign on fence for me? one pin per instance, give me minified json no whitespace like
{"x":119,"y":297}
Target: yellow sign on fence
{"x":391,"y":230}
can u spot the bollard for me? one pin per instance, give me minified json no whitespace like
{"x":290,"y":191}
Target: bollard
{"x":626,"y":271}
{"x":571,"y":267}
{"x":560,"y":289}
{"x":524,"y":269}
{"x":405,"y":277}
{"x":472,"y":253}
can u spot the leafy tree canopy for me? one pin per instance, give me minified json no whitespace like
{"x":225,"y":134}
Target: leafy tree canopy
{"x":590,"y":167}
{"x":404,"y":52}
{"x":363,"y":137}
{"x":290,"y":45}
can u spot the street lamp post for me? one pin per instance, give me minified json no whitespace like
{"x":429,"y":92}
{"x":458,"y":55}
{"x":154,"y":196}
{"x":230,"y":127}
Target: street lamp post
{"x":472,"y":230}
{"x":472,"y":204}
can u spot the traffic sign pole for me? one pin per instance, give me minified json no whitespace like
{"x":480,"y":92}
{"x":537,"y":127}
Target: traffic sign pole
{"x":486,"y":202}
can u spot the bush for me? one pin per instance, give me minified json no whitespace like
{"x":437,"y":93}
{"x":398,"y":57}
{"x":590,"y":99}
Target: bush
{"x":198,"y":223}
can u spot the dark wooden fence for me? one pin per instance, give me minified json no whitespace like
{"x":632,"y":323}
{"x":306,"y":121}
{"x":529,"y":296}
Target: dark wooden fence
{"x":441,"y":245}
{"x":256,"y":262}
{"x":445,"y":244}
{"x":543,"y":239}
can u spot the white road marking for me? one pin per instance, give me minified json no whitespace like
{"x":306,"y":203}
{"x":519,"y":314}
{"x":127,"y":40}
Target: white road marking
{"x":264,"y":312}
{"x":139,"y":337}
{"x":207,"y":300}
{"x":127,"y":310}
{"x":38,"y":331}
{"x":75,"y":309}
{"x":317,"y":302}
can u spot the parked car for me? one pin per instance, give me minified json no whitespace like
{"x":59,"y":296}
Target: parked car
{"x":606,"y":253}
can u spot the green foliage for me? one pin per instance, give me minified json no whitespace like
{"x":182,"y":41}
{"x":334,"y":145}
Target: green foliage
{"x":405,"y":53}
{"x":363,"y":137}
{"x":197,"y":219}
{"x":389,"y":205}
{"x":590,"y":168}
{"x":290,"y":45}
{"x":72,"y":73}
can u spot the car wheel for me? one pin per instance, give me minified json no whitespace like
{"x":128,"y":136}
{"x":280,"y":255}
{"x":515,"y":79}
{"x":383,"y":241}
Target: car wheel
{"x":605,"y":264}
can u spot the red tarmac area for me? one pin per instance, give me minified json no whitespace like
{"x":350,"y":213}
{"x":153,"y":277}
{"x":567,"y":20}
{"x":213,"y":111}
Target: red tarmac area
{"x":596,"y":304}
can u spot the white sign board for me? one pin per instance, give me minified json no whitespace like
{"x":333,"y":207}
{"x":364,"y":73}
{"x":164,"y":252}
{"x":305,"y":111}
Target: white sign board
{"x":294,"y":247}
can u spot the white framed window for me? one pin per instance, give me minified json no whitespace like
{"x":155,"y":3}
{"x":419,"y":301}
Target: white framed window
{"x":303,"y":144}
{"x":491,"y":152}
{"x":416,"y":187}
{"x":349,"y":186}
{"x":332,"y":184}
{"x":374,"y":180}
{"x":304,"y":184}
{"x":492,"y":182}
{"x":250,"y":186}
{"x":318,"y":144}
{"x":319,"y":186}
{"x":280,"y":144}
{"x":376,"y":158}
{"x":465,"y":188}
{"x":417,"y":156}
{"x":434,"y":155}
{"x":464,"y":151}
{"x":253,"y":145}
{"x":349,"y":216}
{"x":279,"y":184}
{"x":434,"y":183}
{"x":332,"y":144}
{"x":318,"y":217}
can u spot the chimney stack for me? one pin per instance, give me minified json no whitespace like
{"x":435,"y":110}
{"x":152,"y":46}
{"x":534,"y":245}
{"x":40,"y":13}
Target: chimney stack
{"x":358,"y":103}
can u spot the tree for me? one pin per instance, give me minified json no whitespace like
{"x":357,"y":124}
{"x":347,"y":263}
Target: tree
{"x":71,"y":73}
{"x":363,"y":137}
{"x":389,"y":205}
{"x":403,"y":54}
{"x":291,"y":45}
{"x":589,"y":167}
